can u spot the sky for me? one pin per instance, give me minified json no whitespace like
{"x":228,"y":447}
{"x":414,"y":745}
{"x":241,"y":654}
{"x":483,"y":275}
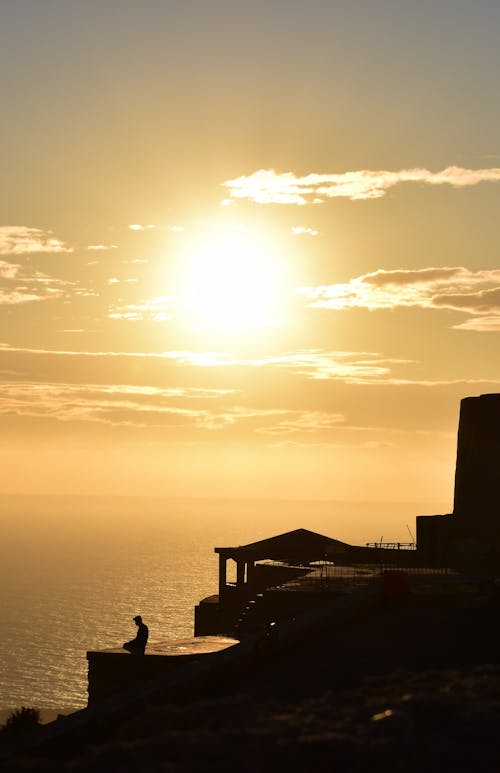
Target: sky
{"x":246,"y":249}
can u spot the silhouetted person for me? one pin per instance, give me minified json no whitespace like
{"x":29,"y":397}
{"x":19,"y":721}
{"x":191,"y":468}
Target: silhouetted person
{"x":138,"y":645}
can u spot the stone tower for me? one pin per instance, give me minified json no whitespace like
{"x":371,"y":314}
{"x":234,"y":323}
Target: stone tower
{"x":477,"y":475}
{"x":470,"y":536}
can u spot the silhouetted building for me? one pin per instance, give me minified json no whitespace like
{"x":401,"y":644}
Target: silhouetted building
{"x":294,"y":548}
{"x":276,"y":563}
{"x":470,"y":536}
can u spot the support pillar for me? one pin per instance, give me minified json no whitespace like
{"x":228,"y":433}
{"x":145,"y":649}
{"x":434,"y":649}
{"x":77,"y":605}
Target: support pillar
{"x":250,"y":573}
{"x":240,"y":574}
{"x":222,"y":576}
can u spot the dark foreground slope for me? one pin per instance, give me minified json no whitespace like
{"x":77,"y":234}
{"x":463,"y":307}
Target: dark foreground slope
{"x":410,"y":688}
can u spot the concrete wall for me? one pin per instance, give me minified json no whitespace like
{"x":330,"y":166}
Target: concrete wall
{"x":470,"y":537}
{"x":112,"y":672}
{"x":477,"y":476}
{"x":434,"y":533}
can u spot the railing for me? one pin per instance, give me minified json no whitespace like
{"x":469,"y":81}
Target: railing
{"x":393,"y":545}
{"x":326,"y":576}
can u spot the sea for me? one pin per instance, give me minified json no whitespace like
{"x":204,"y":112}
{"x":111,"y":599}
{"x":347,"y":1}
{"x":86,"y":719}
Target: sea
{"x":75,"y":570}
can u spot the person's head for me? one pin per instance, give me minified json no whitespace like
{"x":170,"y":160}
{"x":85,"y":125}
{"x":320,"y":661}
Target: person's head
{"x":137,"y":619}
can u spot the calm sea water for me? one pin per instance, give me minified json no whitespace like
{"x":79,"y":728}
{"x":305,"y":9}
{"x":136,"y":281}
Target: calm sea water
{"x":75,"y":570}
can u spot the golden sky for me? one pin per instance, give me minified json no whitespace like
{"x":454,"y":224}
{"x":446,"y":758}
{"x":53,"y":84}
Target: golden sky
{"x":246,"y":249}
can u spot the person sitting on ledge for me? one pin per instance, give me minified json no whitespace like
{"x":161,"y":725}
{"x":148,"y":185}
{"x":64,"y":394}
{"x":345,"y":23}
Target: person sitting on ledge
{"x":138,"y":645}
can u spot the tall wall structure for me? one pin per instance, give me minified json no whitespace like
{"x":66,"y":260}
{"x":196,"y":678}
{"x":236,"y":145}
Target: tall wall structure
{"x":477,"y":475}
{"x":471,"y":534}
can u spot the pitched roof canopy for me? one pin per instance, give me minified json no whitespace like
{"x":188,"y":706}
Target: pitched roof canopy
{"x":297,"y":545}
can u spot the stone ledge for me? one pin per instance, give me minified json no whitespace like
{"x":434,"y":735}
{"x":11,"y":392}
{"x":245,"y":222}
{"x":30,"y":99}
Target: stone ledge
{"x":113,"y":670}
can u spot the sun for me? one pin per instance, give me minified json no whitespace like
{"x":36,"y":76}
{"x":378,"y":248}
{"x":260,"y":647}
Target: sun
{"x":232,"y":279}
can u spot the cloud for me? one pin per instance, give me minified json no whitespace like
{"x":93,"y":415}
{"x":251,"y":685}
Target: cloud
{"x":101,"y":247}
{"x":375,"y":445}
{"x":156,"y":396}
{"x":15,"y":297}
{"x":9,"y":270}
{"x":6,"y":348}
{"x":315,"y":366}
{"x":305,"y":422}
{"x":113,"y":280}
{"x":480,"y":302}
{"x":155,"y":309}
{"x":318,"y":364}
{"x":139,"y":227}
{"x":22,"y":240}
{"x":266,"y":186}
{"x":23,"y":284}
{"x":449,"y":287}
{"x":124,"y":405}
{"x":299,"y":229}
{"x":146,"y":407}
{"x":312,"y":364}
{"x":187,"y":409}
{"x":480,"y":324}
{"x":176,"y":228}
{"x":75,"y":330}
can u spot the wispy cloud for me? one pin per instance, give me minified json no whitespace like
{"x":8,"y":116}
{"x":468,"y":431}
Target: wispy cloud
{"x":146,"y":407}
{"x":15,"y":297}
{"x":478,"y":302}
{"x":304,"y":422}
{"x":298,"y":230}
{"x":155,"y":309}
{"x":102,"y":247}
{"x":347,"y":366}
{"x":124,"y":405}
{"x":22,"y":240}
{"x":7,"y":348}
{"x":266,"y":186}
{"x":311,"y":363}
{"x":75,"y":330}
{"x":139,"y":227}
{"x":113,"y":280}
{"x":315,"y":364}
{"x":9,"y":270}
{"x":356,"y":368}
{"x":480,"y":324}
{"x":449,"y":287}
{"x":23,"y":284}
{"x":375,"y":445}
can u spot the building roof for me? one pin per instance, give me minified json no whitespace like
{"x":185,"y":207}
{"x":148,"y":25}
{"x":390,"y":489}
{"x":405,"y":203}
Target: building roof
{"x":297,"y":545}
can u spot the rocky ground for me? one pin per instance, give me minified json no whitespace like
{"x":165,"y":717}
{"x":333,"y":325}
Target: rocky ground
{"x":414,"y":687}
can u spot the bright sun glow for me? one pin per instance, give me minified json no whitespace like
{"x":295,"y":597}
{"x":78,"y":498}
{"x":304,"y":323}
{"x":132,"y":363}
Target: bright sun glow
{"x":233,"y":280}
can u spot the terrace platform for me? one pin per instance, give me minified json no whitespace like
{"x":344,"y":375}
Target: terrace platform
{"x":114,"y":670}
